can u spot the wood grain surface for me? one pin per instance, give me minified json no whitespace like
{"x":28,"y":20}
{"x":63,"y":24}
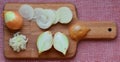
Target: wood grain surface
{"x":99,"y":30}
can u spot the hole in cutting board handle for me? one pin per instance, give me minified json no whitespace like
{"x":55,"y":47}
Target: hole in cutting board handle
{"x":109,"y":29}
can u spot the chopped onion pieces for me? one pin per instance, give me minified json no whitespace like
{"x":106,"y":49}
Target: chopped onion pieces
{"x":18,"y":42}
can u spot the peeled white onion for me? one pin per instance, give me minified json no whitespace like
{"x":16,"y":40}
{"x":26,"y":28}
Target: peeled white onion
{"x":61,"y":42}
{"x":44,"y":41}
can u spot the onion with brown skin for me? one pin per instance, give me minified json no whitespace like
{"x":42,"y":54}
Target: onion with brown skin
{"x":78,"y":31}
{"x":13,"y":20}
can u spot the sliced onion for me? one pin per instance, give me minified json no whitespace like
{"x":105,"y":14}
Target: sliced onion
{"x":44,"y":41}
{"x":26,"y":11}
{"x":64,"y":15}
{"x":56,"y":18}
{"x":38,"y":12}
{"x":44,"y":17}
{"x":18,"y":42}
{"x":61,"y":42}
{"x":51,"y":14}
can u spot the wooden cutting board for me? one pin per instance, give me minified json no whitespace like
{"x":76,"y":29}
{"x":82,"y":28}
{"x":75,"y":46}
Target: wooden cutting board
{"x":99,"y":30}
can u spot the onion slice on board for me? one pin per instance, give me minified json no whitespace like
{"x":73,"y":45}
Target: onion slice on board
{"x":44,"y":41}
{"x":44,"y":17}
{"x":26,"y":11}
{"x":61,"y":42}
{"x":64,"y":15}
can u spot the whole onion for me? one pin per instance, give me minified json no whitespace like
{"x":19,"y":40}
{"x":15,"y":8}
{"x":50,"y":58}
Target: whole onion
{"x":13,"y":20}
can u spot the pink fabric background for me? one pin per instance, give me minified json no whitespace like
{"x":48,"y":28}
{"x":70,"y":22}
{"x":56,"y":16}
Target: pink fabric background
{"x":88,"y":51}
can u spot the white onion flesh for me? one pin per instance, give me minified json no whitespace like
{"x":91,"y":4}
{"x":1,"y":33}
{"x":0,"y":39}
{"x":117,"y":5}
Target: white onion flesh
{"x":44,"y":41}
{"x":61,"y":42}
{"x":26,"y":11}
{"x":64,"y":15}
{"x":18,"y":42}
{"x":44,"y":17}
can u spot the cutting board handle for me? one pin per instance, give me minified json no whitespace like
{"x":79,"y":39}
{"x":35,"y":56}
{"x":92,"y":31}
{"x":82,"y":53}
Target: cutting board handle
{"x":101,"y":30}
